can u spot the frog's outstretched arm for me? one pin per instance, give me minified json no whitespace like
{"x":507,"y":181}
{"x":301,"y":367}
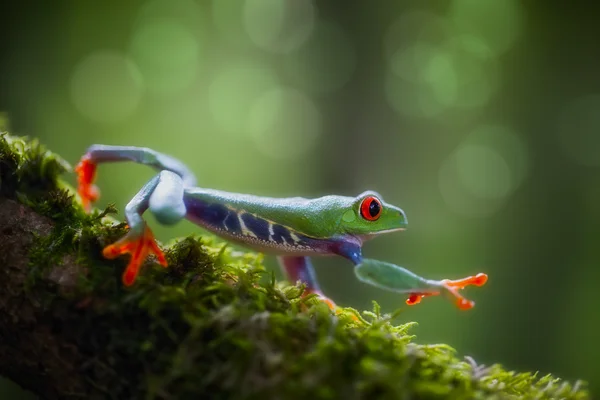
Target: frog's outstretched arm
{"x":397,"y":279}
{"x":392,"y":277}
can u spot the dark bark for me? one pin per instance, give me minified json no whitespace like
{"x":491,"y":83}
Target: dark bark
{"x":34,"y":352}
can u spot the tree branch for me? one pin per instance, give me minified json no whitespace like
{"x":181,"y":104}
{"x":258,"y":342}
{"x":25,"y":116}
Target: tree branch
{"x":204,"y":327}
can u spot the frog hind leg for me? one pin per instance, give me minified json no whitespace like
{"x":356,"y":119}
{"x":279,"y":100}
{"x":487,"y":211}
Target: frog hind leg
{"x":299,"y":268}
{"x":163,"y":195}
{"x":96,"y":154}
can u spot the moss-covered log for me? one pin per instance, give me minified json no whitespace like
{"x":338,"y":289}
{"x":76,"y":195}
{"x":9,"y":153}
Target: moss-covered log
{"x":206,"y":327}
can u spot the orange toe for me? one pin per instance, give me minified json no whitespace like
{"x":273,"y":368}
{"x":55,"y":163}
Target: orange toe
{"x":461,"y":302}
{"x":139,"y":249}
{"x":115,"y":250}
{"x":477,"y":280}
{"x":464,"y":304}
{"x":414,"y":299}
{"x":133,"y":268}
{"x":111,"y":252}
{"x":86,"y":172}
{"x":129,"y":276}
{"x":160,"y":256}
{"x":480,"y":279}
{"x":453,"y":286}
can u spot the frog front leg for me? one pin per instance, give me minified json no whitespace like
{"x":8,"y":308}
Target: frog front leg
{"x":395,"y":278}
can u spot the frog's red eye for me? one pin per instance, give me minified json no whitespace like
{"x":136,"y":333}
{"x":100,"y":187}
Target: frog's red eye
{"x":370,"y":208}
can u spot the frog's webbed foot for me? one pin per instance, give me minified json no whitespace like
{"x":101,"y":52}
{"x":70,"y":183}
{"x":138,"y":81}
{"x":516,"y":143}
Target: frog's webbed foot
{"x":163,"y":196}
{"x":86,"y":173}
{"x":139,"y":246}
{"x":392,"y":277}
{"x":451,"y":288}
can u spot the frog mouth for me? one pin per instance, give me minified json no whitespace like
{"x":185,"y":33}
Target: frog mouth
{"x":368,"y":236}
{"x":402,"y":228}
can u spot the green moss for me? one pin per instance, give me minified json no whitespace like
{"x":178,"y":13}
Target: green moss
{"x":207,"y":326}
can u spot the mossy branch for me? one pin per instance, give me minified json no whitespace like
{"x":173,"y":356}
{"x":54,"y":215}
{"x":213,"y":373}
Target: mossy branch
{"x":203,"y":328}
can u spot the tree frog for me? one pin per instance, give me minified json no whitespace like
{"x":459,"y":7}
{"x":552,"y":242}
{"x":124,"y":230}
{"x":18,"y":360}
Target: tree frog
{"x":293,"y":229}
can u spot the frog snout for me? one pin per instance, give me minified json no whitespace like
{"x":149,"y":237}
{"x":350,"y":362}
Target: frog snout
{"x":403,"y":219}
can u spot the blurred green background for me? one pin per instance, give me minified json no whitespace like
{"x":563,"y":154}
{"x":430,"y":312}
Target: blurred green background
{"x":481,"y":119}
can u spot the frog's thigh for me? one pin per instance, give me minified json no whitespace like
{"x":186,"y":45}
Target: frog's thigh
{"x":166,"y":201}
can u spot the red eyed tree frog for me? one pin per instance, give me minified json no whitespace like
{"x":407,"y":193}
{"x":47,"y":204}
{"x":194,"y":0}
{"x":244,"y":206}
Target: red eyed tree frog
{"x":294,"y":229}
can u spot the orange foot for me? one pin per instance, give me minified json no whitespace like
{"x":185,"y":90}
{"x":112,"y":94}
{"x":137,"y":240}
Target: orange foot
{"x":453,"y":286}
{"x":86,"y":172}
{"x":139,"y":248}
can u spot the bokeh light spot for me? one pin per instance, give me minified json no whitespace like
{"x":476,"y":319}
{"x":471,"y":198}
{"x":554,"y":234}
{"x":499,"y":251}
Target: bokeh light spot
{"x":233,"y":93}
{"x":408,"y":62}
{"x":458,"y":195}
{"x":420,"y":81}
{"x":497,"y":23}
{"x":326,"y":61}
{"x":578,"y":129}
{"x":106,"y":86}
{"x":475,"y":68}
{"x":508,"y":144}
{"x":415,"y":28}
{"x":279,"y":26}
{"x":484,"y":171}
{"x":168,"y":54}
{"x":440,"y":74}
{"x":285,"y":123}
{"x":427,"y":79}
{"x":408,"y":98}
